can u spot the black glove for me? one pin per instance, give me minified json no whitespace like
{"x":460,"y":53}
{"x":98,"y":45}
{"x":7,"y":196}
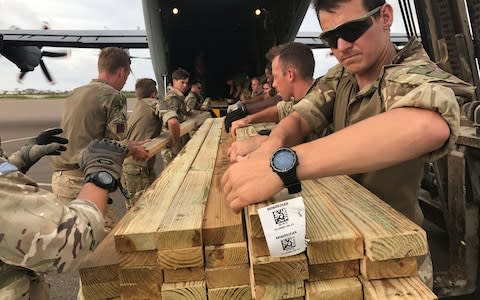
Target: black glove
{"x":103,"y":155}
{"x":239,"y":113}
{"x":46,"y":143}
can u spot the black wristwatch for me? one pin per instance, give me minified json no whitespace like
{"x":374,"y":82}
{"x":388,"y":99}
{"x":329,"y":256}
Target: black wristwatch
{"x":284,"y":162}
{"x":103,"y":180}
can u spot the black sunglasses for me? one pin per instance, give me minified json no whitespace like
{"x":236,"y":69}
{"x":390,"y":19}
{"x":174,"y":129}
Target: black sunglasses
{"x":349,"y":31}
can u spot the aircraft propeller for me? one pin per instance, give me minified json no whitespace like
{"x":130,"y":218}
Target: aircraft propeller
{"x":31,"y":67}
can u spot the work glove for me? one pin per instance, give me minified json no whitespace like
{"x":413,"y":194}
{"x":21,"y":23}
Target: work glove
{"x":46,"y":143}
{"x":237,"y":114}
{"x":103,"y":155}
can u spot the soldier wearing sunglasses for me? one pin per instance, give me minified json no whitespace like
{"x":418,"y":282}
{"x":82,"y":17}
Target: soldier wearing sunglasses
{"x":391,"y":110}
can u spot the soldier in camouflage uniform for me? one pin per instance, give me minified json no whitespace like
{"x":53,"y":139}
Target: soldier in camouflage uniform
{"x":146,"y":122}
{"x":93,"y":111}
{"x":38,"y":234}
{"x":194,"y":100}
{"x":392,"y":110}
{"x":296,"y":59}
{"x":175,"y":100}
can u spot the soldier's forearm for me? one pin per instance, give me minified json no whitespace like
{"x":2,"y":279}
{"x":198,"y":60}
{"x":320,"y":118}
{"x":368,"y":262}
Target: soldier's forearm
{"x":261,"y":105}
{"x":94,"y":194}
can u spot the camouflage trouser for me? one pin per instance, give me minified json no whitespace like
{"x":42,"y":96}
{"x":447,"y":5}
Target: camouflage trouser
{"x":19,"y":283}
{"x":67,"y":184}
{"x":136,"y":179}
{"x":425,"y":269}
{"x":168,"y":154}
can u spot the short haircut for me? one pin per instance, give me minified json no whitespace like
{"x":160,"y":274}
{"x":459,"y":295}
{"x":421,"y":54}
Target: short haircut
{"x":144,"y":87}
{"x":330,"y":5}
{"x":180,"y":74}
{"x":296,"y":55}
{"x":111,"y":59}
{"x":195,"y":81}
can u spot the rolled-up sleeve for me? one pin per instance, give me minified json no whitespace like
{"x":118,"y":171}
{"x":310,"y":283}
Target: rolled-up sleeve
{"x":437,"y":98}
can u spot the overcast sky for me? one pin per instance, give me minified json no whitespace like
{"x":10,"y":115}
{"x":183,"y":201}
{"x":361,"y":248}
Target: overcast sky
{"x":80,"y":66}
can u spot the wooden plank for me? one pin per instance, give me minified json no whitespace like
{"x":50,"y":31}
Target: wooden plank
{"x":207,"y":156}
{"x":137,"y":259}
{"x":141,"y":283}
{"x":334,"y":289}
{"x":272,"y":270}
{"x":156,"y":144}
{"x":342,"y":269}
{"x":99,"y":271}
{"x":184,"y":274}
{"x":227,"y":276}
{"x":226,"y":255}
{"x":139,"y":234}
{"x":268,"y":269}
{"x":286,"y":290}
{"x":193,"y":290}
{"x":392,"y":268}
{"x":221,"y":225}
{"x":408,"y":288}
{"x":182,"y":223}
{"x":102,"y":290}
{"x":259,"y":247}
{"x":230,"y":293}
{"x":180,"y":258}
{"x":387,"y":233}
{"x":331,"y":237}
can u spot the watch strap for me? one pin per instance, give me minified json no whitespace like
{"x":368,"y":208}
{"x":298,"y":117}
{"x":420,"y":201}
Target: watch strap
{"x":291,"y":182}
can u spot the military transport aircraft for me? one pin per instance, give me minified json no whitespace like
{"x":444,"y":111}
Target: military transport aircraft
{"x":212,"y":39}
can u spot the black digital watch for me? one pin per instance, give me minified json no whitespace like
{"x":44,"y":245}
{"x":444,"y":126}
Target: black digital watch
{"x":103,"y":180}
{"x":284,"y":162}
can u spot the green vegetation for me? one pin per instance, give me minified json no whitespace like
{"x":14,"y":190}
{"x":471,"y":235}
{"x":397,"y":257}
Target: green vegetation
{"x":128,"y":94}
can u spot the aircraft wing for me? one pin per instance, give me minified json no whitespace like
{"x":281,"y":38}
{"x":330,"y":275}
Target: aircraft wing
{"x":75,"y":38}
{"x":131,"y":39}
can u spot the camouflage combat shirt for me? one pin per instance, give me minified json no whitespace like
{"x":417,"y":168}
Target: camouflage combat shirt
{"x":193,"y":101}
{"x":92,"y":111}
{"x":412,"y":80}
{"x":39,"y":233}
{"x":146,"y":122}
{"x":176,"y":102}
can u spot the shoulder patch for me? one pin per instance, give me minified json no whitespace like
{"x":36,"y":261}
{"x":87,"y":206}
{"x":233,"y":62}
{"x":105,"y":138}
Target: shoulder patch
{"x":429,"y":71}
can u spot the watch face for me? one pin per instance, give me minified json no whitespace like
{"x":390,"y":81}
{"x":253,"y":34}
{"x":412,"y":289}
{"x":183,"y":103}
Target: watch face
{"x":105,"y":178}
{"x":283,"y":160}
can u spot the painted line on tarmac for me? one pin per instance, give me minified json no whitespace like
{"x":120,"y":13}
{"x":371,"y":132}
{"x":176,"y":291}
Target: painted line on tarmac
{"x":17,"y":140}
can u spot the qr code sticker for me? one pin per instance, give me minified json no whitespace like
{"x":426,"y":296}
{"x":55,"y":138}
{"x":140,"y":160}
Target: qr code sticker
{"x":288,"y":243}
{"x":280,"y":216}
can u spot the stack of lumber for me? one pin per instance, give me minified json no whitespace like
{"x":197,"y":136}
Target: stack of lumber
{"x":223,"y":235}
{"x":180,"y":241}
{"x":101,"y":274}
{"x":358,"y":246}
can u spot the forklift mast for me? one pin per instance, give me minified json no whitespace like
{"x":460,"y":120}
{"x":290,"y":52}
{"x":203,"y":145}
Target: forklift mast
{"x":450,"y":191}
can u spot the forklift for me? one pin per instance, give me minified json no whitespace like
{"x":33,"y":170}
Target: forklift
{"x":450,"y":190}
